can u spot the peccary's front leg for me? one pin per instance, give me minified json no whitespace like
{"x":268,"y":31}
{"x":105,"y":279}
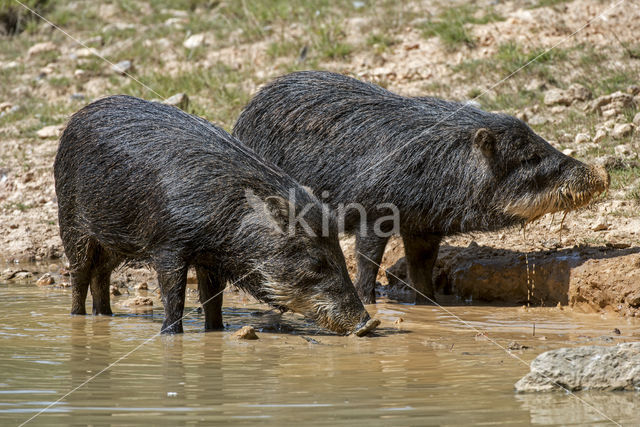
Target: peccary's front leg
{"x":369,"y":251}
{"x":210,"y":290}
{"x":172,"y":277}
{"x":421,"y":251}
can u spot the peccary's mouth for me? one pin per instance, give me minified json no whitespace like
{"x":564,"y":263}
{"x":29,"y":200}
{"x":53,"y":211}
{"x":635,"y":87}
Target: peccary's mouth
{"x":567,"y":197}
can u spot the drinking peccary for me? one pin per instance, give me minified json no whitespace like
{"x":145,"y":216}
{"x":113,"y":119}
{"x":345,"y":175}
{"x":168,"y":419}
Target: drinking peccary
{"x":139,"y":180}
{"x":447,"y":167}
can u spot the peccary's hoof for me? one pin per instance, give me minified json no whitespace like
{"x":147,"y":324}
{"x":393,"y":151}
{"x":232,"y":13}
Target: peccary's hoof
{"x":172,"y":329}
{"x":425,"y":300}
{"x":367,"y":327}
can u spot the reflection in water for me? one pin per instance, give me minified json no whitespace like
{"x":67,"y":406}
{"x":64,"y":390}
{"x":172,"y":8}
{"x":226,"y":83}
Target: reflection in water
{"x":429,"y":369}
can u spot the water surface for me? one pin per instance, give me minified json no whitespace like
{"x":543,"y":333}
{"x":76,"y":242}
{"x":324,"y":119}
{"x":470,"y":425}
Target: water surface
{"x":429,"y":369}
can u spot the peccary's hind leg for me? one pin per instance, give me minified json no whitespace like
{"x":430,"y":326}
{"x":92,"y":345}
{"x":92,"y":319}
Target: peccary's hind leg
{"x":80,"y":254}
{"x":210,"y":290}
{"x":103,"y":265}
{"x":369,"y":251}
{"x":172,"y":277}
{"x":421,"y":251}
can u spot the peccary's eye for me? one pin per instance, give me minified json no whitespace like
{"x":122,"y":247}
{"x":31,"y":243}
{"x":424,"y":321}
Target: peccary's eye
{"x":532,"y":161}
{"x":317,"y":264}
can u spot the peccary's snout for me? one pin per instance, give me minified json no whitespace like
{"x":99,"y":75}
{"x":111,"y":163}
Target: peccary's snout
{"x":601,"y":178}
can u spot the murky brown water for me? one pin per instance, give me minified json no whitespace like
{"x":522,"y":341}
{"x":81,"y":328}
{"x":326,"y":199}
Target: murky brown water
{"x":428,"y":370}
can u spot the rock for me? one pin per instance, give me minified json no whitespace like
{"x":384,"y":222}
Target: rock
{"x":538,"y":120}
{"x":585,"y":368}
{"x":516,"y":346}
{"x":194,"y":41}
{"x":39,"y":48}
{"x":581,"y":138}
{"x":600,"y":225}
{"x":113,"y":290}
{"x":5,"y":106}
{"x":246,"y":333}
{"x":23,"y":275}
{"x":614,"y":100}
{"x":138,"y":302}
{"x":611,"y":113}
{"x":569,"y":152}
{"x":121,"y":67}
{"x":623,"y":150}
{"x":557,"y":97}
{"x":601,"y":134}
{"x":85,"y":52}
{"x":534,"y":85}
{"x":143,"y":286}
{"x":9,"y":274}
{"x":633,"y":90}
{"x":636,"y":119}
{"x":49,"y":132}
{"x":46,"y":280}
{"x":577,"y":92}
{"x":180,"y":100}
{"x":621,"y":130}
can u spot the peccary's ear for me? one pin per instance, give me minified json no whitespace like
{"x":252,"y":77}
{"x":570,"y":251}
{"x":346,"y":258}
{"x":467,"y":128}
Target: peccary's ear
{"x":278,"y":210}
{"x":269,"y":211}
{"x":485,"y":140}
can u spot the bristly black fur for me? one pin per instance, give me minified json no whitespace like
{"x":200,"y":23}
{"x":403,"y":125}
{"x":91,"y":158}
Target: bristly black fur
{"x":448,"y":167}
{"x":145,"y":181}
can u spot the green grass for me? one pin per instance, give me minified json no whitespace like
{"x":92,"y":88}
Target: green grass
{"x":380,"y":42}
{"x":450,"y":25}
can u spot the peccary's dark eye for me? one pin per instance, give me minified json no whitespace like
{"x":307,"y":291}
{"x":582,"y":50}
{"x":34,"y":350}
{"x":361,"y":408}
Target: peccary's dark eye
{"x":532,"y":161}
{"x":317,"y":264}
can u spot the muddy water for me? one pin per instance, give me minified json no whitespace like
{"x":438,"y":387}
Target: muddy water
{"x":429,"y":369}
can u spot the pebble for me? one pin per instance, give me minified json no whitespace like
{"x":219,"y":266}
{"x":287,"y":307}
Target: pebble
{"x":246,"y":333}
{"x":582,"y":138}
{"x":622,"y":130}
{"x":180,"y":100}
{"x":121,"y":67}
{"x":556,"y":97}
{"x":5,"y":106}
{"x":46,"y":280}
{"x":569,"y":152}
{"x":601,"y":134}
{"x":39,"y":48}
{"x":600,"y":225}
{"x":49,"y":132}
{"x":636,"y":119}
{"x":113,"y":290}
{"x":623,"y":150}
{"x":194,"y":41}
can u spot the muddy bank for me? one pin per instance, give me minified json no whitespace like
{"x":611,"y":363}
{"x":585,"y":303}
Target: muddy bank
{"x":589,"y":279}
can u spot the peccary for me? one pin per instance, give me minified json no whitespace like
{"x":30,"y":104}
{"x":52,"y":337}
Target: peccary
{"x":143,"y":181}
{"x":446,"y":167}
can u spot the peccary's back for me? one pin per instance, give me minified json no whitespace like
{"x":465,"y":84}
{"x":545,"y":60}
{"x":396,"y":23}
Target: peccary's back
{"x":141,"y":174}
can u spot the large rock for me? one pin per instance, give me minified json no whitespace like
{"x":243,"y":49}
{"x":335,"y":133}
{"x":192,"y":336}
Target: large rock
{"x":585,"y":368}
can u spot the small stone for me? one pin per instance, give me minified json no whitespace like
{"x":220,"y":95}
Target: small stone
{"x":49,"y":132}
{"x":538,"y":120}
{"x":622,"y":130}
{"x":601,"y":134}
{"x":246,"y":333}
{"x":556,"y":97}
{"x":623,"y":150}
{"x":398,"y":321}
{"x":636,"y":119}
{"x":143,"y":286}
{"x":85,"y":52}
{"x":569,"y":152}
{"x":79,"y":73}
{"x":534,"y":85}
{"x":633,"y":89}
{"x":600,"y":225}
{"x":113,"y":290}
{"x":194,"y":41}
{"x":46,"y":280}
{"x":581,"y":138}
{"x":121,"y":67}
{"x":516,"y":346}
{"x":39,"y":48}
{"x":5,"y":106}
{"x":579,"y":92}
{"x":611,"y":113}
{"x":180,"y":100}
{"x":616,"y":331}
{"x":138,"y":302}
